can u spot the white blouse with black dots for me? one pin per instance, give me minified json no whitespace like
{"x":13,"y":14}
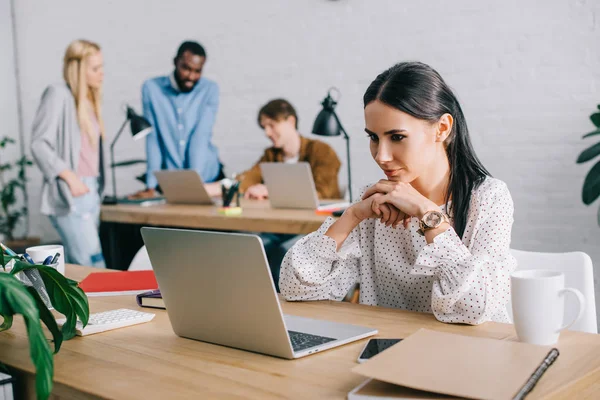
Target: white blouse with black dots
{"x":460,"y":281}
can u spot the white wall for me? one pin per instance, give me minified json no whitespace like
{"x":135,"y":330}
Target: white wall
{"x":527,"y":73}
{"x":8,"y":107}
{"x":9,"y":121}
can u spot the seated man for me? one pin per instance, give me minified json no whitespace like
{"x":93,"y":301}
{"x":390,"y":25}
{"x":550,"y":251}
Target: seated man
{"x":280,"y":123}
{"x":182,"y":108}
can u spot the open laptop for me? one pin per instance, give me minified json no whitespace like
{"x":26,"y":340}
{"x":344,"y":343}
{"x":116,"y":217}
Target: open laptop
{"x":293,"y":186}
{"x":183,"y":187}
{"x":217,"y":288}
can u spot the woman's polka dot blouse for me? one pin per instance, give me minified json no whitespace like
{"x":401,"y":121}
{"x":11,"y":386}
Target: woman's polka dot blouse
{"x":460,"y":281}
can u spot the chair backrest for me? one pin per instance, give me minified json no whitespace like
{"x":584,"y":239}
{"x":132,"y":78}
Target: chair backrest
{"x":579,"y":274}
{"x":141,"y":261}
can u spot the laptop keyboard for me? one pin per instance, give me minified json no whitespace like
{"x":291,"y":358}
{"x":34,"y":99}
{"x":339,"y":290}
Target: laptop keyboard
{"x":303,"y":341}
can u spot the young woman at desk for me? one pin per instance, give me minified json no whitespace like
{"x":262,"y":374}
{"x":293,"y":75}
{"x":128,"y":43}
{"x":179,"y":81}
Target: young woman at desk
{"x":66,"y":144}
{"x":398,"y":240}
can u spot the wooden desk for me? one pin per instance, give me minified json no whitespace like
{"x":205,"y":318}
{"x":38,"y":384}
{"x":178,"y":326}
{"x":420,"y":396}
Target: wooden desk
{"x":257,"y":216}
{"x":123,"y":221}
{"x":149,"y":362}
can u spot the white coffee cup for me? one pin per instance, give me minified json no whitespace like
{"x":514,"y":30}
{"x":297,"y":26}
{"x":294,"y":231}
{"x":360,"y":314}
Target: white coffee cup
{"x":538,"y":305}
{"x":39,"y":253}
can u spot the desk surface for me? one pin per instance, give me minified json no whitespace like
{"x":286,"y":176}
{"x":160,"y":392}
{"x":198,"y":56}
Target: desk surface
{"x":257,"y":216}
{"x":150,"y":361}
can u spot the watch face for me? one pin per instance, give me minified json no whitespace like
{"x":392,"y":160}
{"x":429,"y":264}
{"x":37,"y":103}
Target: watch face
{"x":433,"y":219}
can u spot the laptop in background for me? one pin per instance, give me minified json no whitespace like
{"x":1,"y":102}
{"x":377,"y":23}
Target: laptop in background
{"x":293,"y":186}
{"x":217,"y":288}
{"x":184,"y":187}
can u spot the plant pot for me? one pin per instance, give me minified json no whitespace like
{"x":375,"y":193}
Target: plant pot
{"x":19,"y":245}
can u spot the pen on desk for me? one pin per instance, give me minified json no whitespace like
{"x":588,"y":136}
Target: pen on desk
{"x":7,"y":250}
{"x":28,"y":258}
{"x":47,"y":261}
{"x":55,"y":259}
{"x":232,"y":190}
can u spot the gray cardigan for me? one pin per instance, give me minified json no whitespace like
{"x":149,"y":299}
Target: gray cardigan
{"x":55,"y":145}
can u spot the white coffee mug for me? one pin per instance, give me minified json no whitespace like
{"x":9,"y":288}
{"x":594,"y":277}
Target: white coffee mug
{"x":538,"y":305}
{"x":39,"y":253}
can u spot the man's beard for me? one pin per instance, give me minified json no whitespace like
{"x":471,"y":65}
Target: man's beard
{"x":182,"y":87}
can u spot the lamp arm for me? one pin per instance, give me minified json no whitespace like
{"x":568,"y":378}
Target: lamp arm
{"x":347,"y":154}
{"x":112,"y":158}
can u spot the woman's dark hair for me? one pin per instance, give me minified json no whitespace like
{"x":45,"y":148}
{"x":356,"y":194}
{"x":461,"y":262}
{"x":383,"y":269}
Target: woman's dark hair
{"x":418,"y":90}
{"x":278,"y":109}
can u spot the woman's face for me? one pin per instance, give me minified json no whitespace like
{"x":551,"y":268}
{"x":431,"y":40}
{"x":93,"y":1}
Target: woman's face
{"x":403,"y":146}
{"x":94,"y":73}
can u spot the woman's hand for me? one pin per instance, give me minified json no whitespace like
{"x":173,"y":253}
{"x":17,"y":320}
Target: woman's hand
{"x":257,"y":192}
{"x":370,"y":207}
{"x":401,"y":196}
{"x":76,"y":186}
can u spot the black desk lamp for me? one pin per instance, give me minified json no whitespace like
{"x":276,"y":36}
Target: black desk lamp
{"x":140,"y":127}
{"x":328,"y":124}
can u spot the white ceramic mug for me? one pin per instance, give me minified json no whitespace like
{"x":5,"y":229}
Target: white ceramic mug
{"x":538,"y":305}
{"x":39,"y":253}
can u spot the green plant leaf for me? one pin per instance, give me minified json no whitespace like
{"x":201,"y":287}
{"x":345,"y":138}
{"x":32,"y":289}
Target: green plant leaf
{"x":587,"y":135}
{"x":66,"y":297}
{"x":47,"y":318}
{"x":591,"y":185}
{"x":589,"y":153}
{"x":5,"y":141}
{"x":14,"y":296}
{"x":596,"y":119}
{"x":7,"y":323}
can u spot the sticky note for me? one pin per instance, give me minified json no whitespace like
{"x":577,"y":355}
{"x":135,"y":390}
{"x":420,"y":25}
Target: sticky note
{"x":229,"y":210}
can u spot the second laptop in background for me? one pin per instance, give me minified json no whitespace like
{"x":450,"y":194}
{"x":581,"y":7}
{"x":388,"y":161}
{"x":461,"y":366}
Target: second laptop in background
{"x":184,"y":187}
{"x":293,"y":186}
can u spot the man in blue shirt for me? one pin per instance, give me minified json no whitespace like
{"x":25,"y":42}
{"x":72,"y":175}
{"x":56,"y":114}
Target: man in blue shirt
{"x":182,"y":108}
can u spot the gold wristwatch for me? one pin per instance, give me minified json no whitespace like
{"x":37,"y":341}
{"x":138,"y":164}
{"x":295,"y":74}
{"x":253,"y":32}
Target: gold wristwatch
{"x":431,"y":220}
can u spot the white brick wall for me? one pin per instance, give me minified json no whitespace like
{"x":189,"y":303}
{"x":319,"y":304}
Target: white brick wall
{"x":8,"y":107}
{"x":527,"y":73}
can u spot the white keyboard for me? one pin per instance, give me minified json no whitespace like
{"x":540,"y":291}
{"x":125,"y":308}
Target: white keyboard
{"x":107,"y":320}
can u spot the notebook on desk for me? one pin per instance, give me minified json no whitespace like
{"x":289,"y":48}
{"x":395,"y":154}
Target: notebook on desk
{"x":151,"y":299}
{"x":455,"y":365}
{"x":118,"y":283}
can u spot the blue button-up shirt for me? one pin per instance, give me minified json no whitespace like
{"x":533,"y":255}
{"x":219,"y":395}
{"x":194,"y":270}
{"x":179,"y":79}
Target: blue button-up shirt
{"x":182,"y":126}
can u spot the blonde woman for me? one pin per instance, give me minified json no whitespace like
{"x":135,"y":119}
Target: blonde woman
{"x":67,"y":147}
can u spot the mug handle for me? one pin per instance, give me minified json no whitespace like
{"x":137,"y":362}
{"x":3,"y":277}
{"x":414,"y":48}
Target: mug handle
{"x":581,"y":301}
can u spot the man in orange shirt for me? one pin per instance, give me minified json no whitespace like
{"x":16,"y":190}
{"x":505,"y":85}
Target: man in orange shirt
{"x":279,"y":120}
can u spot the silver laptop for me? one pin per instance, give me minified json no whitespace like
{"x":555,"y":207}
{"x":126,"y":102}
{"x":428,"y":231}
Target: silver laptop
{"x":293,"y":186}
{"x":184,"y":187}
{"x":217,"y":288}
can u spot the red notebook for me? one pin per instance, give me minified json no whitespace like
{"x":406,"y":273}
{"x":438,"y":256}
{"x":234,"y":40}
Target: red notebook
{"x":118,"y":283}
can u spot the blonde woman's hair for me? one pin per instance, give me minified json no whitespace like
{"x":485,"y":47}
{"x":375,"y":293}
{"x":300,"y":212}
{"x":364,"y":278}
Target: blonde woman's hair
{"x":74,"y":73}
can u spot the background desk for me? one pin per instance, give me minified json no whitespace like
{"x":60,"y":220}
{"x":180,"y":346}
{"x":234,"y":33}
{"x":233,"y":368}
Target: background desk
{"x":149,"y":362}
{"x":120,"y":224}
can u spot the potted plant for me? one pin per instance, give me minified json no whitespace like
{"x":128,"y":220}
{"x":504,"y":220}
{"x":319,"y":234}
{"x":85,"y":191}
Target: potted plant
{"x":18,"y":298}
{"x":591,"y":185}
{"x":12,"y":193}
